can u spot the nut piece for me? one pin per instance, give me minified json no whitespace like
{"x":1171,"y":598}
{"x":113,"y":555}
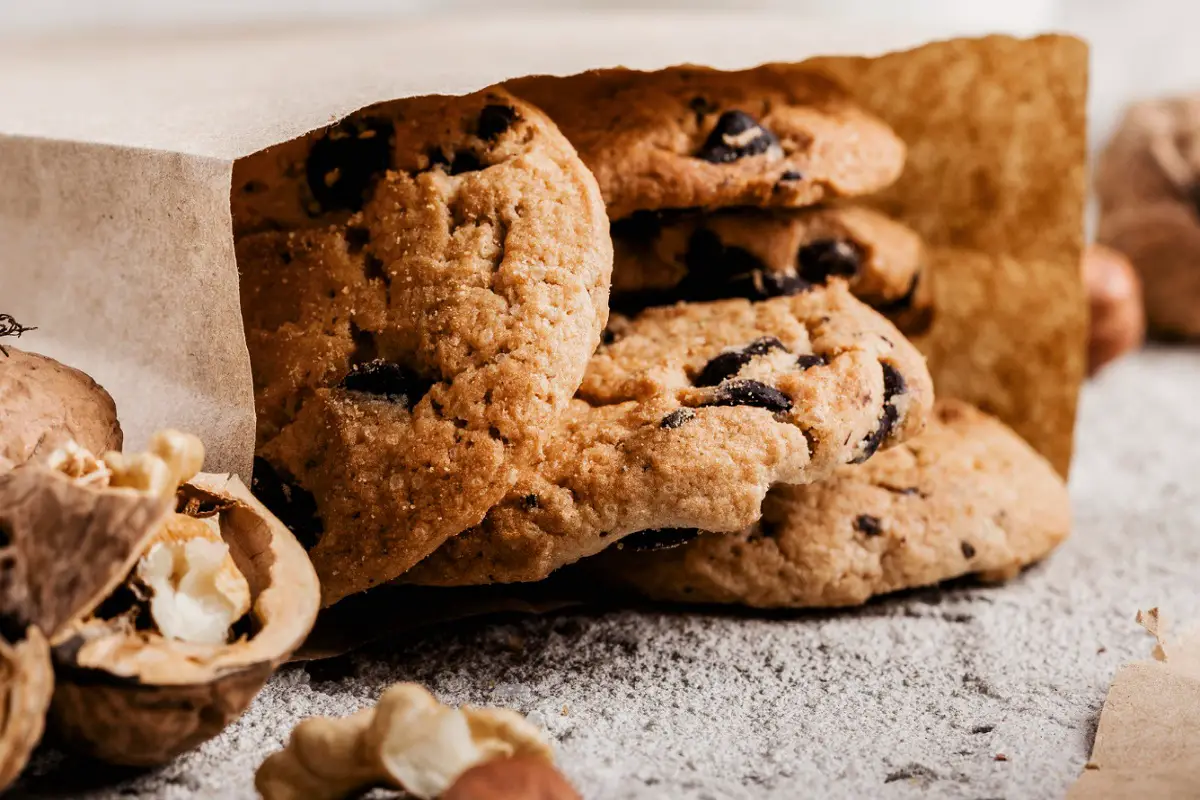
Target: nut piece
{"x":26,"y":683}
{"x":44,"y":404}
{"x":172,"y":460}
{"x":1148,"y":185}
{"x":409,"y":741}
{"x":196,"y":590}
{"x":1118,"y":324}
{"x":130,"y":695}
{"x":520,"y":778}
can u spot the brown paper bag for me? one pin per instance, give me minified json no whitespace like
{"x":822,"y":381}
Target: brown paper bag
{"x":116,"y":156}
{"x":115,"y":232}
{"x":1148,"y":740}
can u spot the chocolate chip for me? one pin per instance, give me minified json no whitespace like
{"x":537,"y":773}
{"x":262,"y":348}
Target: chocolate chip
{"x":529,"y":502}
{"x":762,"y":285}
{"x":292,"y":504}
{"x":343,"y":164}
{"x":462,"y":161}
{"x":677,"y":418}
{"x":968,"y":550}
{"x":736,"y":135}
{"x":396,"y":382}
{"x":660,"y":539}
{"x":357,"y":238}
{"x":730,"y":363}
{"x":495,"y":120}
{"x":791,"y":175}
{"x":810,"y":360}
{"x":750,"y":393}
{"x":893,"y":384}
{"x":825,"y":258}
{"x":868,"y":525}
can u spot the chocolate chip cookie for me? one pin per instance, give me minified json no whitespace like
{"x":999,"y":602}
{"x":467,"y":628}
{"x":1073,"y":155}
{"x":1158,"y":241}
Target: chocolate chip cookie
{"x":665,"y":257}
{"x":688,"y":419}
{"x":777,"y":135}
{"x":966,"y":497}
{"x":423,"y":284}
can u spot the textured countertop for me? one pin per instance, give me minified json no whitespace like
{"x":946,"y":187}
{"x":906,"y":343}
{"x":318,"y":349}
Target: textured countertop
{"x":915,"y":695}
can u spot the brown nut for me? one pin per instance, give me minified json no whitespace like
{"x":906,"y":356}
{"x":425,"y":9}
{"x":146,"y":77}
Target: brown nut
{"x":67,"y":542}
{"x":1162,"y":241}
{"x":518,"y":778}
{"x":1118,"y":324}
{"x":408,"y":741}
{"x":128,"y":695}
{"x":44,"y":404}
{"x":26,"y":683}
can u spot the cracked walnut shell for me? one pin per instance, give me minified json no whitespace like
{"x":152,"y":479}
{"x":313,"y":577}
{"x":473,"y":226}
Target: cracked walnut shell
{"x":132,"y":696}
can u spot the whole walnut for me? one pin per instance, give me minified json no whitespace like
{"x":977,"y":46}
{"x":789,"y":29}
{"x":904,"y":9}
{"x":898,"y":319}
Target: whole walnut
{"x":44,"y":404}
{"x":1148,"y":187}
{"x":1118,"y":324}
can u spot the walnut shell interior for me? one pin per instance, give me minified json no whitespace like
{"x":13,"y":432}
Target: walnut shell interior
{"x":129,"y":696}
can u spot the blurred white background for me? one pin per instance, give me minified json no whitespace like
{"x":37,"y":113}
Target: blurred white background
{"x":1139,"y":48}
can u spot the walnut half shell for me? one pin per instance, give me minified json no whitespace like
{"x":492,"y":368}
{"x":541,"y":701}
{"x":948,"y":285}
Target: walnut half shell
{"x":64,"y":545}
{"x":128,"y":695}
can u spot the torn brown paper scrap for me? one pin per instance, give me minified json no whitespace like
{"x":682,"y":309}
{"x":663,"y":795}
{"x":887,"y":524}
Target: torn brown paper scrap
{"x":1148,"y":740}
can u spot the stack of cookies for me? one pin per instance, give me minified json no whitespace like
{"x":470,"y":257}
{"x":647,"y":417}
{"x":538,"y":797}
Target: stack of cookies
{"x":631,"y":322}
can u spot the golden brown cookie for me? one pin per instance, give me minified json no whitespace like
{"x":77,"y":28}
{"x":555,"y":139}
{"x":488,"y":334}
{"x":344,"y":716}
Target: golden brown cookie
{"x":422,"y":286}
{"x":666,"y":257}
{"x":773,"y":136}
{"x":687,"y":420}
{"x":44,"y":404}
{"x":966,"y":497}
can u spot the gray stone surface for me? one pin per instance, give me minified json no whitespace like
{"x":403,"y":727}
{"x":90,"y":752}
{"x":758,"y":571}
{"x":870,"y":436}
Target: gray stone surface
{"x":910,"y":696}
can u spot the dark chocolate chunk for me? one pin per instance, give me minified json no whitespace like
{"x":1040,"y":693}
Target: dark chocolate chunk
{"x":677,"y":418}
{"x":791,"y":175}
{"x":750,"y":393}
{"x":462,"y":161}
{"x":294,"y":505}
{"x":825,"y":258}
{"x":344,"y":164}
{"x":762,"y":285}
{"x":810,"y":360}
{"x":968,"y":550}
{"x":868,"y":525}
{"x":396,"y":382}
{"x":529,"y":502}
{"x":893,"y":384}
{"x":660,"y":539}
{"x":494,"y":120}
{"x":357,"y":238}
{"x":736,"y":135}
{"x":729,"y":364}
